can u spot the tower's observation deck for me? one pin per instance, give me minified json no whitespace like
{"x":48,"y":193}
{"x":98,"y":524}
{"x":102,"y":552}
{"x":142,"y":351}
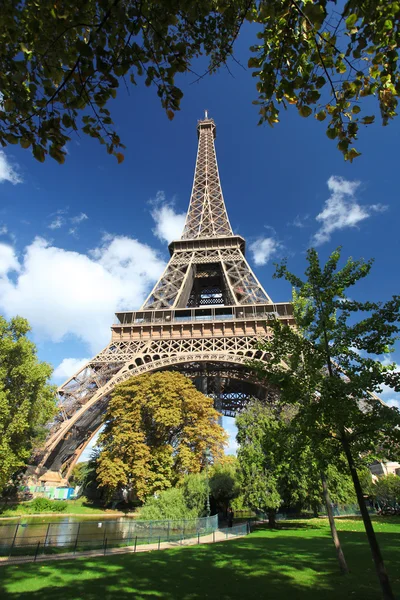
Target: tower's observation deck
{"x":203,"y":317}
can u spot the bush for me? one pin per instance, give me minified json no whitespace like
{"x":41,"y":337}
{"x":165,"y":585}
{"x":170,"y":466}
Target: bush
{"x":42,"y":505}
{"x":195,"y":492}
{"x":169,"y":504}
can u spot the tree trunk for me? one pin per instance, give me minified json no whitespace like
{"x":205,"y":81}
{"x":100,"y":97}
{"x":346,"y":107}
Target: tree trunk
{"x":271,"y":519}
{"x":340,"y":556}
{"x":373,"y":542}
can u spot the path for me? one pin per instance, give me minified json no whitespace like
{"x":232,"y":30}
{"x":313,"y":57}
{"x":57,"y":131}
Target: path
{"x":217,"y":536}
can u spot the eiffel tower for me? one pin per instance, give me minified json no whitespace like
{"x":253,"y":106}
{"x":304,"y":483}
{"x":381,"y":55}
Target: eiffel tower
{"x":202,"y":318}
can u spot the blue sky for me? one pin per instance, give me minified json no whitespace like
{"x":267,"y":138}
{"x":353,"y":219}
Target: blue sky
{"x":81,"y":240}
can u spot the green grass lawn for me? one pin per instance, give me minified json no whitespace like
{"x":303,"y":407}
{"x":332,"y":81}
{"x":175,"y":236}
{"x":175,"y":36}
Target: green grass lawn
{"x":296,"y":562}
{"x":75,"y":507}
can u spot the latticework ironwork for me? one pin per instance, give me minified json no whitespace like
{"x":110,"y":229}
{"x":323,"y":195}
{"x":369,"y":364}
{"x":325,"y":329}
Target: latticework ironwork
{"x":203,"y":318}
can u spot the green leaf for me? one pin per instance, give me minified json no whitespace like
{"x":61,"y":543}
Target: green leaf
{"x":67,"y":121}
{"x":352,"y":154}
{"x":120,"y":157}
{"x":368,"y":120}
{"x":331,"y":133}
{"x":321,"y":116}
{"x":9,"y":105}
{"x":305,"y":111}
{"x":38,"y":152}
{"x":24,"y":143}
{"x":351,"y":21}
{"x":356,"y":109}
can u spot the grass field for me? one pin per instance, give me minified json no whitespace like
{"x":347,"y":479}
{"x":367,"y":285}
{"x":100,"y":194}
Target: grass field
{"x":297,"y":563}
{"x":74,"y":507}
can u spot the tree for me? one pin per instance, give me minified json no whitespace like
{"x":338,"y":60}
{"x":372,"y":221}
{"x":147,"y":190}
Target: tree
{"x":27,"y":401}
{"x":195,"y":492}
{"x":158,"y":429}
{"x":168,"y":504}
{"x":258,"y":464}
{"x":386,"y":490}
{"x":62,"y":64}
{"x":224,"y":482}
{"x":273,"y":447}
{"x":327,"y":367}
{"x":79,"y":473}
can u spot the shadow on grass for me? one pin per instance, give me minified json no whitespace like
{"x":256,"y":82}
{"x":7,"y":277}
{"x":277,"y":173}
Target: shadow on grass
{"x":267,"y":564}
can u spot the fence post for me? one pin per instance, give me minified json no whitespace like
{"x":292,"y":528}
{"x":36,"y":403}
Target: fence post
{"x":105,"y":546}
{"x":36,"y":552}
{"x":129,"y":532}
{"x":159,"y":541}
{"x":76,"y":539}
{"x":135,"y":543}
{"x":47,"y":534}
{"x":13,"y":542}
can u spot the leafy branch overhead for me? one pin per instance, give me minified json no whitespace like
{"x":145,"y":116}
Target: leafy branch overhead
{"x":63,"y":62}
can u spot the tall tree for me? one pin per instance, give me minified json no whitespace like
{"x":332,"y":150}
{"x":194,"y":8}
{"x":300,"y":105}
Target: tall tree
{"x":62,"y":63}
{"x":279,"y":466}
{"x":27,"y":400}
{"x":327,"y":366}
{"x":158,"y":429}
{"x":224,"y":481}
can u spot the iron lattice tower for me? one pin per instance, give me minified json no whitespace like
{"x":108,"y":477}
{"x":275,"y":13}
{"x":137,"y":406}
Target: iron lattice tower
{"x":203,"y":318}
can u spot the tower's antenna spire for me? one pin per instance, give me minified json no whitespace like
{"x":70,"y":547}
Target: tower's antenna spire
{"x":206,"y":114}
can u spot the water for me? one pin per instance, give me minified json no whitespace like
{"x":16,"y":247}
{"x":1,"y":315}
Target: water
{"x":63,"y":531}
{"x":79,"y":532}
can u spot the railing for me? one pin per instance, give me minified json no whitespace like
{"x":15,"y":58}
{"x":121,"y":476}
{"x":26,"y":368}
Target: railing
{"x":112,"y":535}
{"x":213,"y":313}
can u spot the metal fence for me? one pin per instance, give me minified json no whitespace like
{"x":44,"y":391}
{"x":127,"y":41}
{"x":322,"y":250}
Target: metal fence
{"x":34,"y":539}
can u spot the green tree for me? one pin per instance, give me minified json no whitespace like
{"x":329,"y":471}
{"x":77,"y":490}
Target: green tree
{"x":195,"y":492}
{"x":168,"y":504}
{"x":79,"y":472}
{"x":224,"y":482}
{"x":272,"y":444}
{"x":27,"y":401}
{"x":327,"y":367}
{"x":158,"y":428}
{"x":62,"y":64}
{"x":257,"y":463}
{"x":387,"y":490}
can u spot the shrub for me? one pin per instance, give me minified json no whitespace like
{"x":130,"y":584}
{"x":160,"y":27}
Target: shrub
{"x":195,"y":491}
{"x":41,"y":505}
{"x":169,"y":504}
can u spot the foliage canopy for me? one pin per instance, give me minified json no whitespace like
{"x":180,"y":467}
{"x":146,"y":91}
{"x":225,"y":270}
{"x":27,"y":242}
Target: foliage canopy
{"x":27,"y":401}
{"x":62,"y":63}
{"x":328,"y":368}
{"x":158,"y":429}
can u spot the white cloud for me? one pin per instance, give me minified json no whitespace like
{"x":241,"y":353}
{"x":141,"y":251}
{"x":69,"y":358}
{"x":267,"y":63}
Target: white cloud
{"x":342,"y":210}
{"x":79,"y":218}
{"x":169,"y":224}
{"x":57,"y":223}
{"x":8,"y":260}
{"x":68,"y":367}
{"x":263,"y":249}
{"x":3,"y":230}
{"x":299,"y":221}
{"x":67,"y":293}
{"x":7,"y":171}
